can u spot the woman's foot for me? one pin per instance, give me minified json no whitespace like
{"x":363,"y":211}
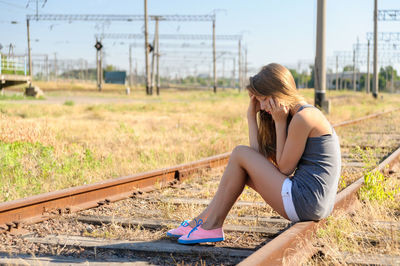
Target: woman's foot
{"x":200,"y":235}
{"x":183,"y":229}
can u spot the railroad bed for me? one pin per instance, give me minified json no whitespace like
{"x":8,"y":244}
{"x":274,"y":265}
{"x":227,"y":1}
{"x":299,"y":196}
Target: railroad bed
{"x":133,"y":229}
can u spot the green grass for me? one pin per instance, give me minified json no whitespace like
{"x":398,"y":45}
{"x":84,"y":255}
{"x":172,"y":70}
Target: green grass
{"x":69,"y":103}
{"x":12,"y":97}
{"x":18,"y":97}
{"x":31,"y":168}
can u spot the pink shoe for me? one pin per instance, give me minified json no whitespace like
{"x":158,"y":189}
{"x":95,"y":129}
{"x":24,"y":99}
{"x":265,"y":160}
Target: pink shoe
{"x":183,"y":229}
{"x":200,"y":235}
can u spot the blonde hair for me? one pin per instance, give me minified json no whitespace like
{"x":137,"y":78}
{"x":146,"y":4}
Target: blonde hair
{"x":273,"y":80}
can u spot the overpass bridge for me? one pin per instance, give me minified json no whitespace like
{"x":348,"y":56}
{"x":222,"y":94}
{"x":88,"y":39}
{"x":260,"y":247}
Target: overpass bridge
{"x":13,"y":70}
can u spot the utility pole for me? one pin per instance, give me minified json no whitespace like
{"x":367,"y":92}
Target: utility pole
{"x":233,"y":74}
{"x":29,"y":53}
{"x":55,"y":66}
{"x":368,"y":76}
{"x":158,"y":67}
{"x":146,"y":48}
{"x":153,"y":59}
{"x":136,"y":72}
{"x":337,"y":74}
{"x":98,"y":67}
{"x":214,"y":57}
{"x":47,"y":67}
{"x":354,"y":70}
{"x":391,"y":84}
{"x":86,"y":71}
{"x":99,"y":57}
{"x":320,"y":60}
{"x":386,"y":78}
{"x":245,"y":66}
{"x":223,"y":69}
{"x":240,"y":66}
{"x":375,"y":87}
{"x":130,"y":67}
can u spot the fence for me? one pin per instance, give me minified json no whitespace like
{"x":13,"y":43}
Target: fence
{"x":13,"y":64}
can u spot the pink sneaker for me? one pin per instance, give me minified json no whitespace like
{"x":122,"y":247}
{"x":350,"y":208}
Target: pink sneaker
{"x":183,"y":229}
{"x":200,"y":235}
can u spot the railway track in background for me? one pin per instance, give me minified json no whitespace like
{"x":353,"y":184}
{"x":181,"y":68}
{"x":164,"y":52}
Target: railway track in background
{"x":85,"y":223}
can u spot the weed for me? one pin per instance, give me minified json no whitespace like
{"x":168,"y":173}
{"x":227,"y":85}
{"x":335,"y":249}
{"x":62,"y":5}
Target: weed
{"x":367,"y":156}
{"x":69,"y":103}
{"x":342,"y":183}
{"x":374,"y":188}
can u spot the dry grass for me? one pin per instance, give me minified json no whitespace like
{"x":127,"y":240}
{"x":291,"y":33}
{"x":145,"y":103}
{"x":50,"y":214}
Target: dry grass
{"x":102,"y":141}
{"x":73,"y":85}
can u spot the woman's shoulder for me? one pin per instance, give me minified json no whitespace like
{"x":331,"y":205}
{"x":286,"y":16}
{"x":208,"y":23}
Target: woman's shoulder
{"x":314,"y":119}
{"x":306,"y":112}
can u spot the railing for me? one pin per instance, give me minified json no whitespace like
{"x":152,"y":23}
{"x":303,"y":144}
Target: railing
{"x":13,"y":64}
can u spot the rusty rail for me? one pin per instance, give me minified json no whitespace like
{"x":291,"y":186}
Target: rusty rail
{"x":37,"y":208}
{"x":358,"y":120}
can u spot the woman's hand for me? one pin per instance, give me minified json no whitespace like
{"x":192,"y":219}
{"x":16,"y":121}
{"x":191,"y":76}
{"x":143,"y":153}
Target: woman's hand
{"x":254,"y":106}
{"x":278,"y":111}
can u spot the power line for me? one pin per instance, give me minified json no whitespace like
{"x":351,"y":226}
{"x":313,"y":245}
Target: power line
{"x":169,"y":36}
{"x":14,"y":5}
{"x":388,"y":15}
{"x":381,"y":46}
{"x":385,"y":36}
{"x":113,"y":17}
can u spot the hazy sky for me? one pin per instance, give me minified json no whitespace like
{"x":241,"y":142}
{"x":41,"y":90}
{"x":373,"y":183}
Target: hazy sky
{"x":274,"y":31}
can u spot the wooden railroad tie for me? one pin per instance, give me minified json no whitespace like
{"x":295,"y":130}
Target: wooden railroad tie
{"x":160,"y":246}
{"x":272,"y":230}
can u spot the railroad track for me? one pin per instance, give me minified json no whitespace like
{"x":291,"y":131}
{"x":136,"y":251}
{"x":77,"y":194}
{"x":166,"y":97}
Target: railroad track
{"x":88,"y":222}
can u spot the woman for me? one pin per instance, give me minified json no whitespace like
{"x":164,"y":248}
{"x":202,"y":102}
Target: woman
{"x":293,"y":160}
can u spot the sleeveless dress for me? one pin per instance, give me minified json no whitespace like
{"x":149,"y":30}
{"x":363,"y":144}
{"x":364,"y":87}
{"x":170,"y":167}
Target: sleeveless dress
{"x":315,"y":181}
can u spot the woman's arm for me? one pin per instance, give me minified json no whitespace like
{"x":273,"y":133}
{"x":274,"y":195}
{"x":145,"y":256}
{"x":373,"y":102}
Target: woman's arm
{"x":294,"y":145}
{"x":289,"y":147}
{"x":280,"y":129}
{"x":254,"y":107}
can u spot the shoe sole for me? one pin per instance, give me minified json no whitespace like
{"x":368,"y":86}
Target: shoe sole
{"x":172,"y":235}
{"x":203,"y":240}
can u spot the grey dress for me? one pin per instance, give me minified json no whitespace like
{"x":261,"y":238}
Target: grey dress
{"x":316,"y":178}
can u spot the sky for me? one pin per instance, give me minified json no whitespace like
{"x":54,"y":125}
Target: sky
{"x":273,"y":31}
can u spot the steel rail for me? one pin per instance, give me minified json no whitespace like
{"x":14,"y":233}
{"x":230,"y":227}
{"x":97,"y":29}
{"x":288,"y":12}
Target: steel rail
{"x":41,"y":207}
{"x":38,"y":208}
{"x":358,"y":120}
{"x":295,"y":244}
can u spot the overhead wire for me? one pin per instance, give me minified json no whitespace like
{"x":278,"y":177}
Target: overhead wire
{"x":16,"y":6}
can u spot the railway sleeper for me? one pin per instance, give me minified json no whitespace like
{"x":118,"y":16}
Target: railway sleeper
{"x":27,"y":259}
{"x":271,"y":230}
{"x":159,"y":246}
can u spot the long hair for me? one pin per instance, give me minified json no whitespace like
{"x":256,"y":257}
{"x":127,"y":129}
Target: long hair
{"x":273,"y":80}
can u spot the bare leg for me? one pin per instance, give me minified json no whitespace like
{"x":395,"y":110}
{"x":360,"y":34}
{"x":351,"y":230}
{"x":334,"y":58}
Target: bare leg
{"x":246,"y":166}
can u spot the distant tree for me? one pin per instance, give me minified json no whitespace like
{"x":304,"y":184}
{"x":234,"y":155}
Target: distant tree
{"x":301,"y":79}
{"x":385,"y":77}
{"x":348,"y":68}
{"x":110,"y":68}
{"x":363,"y":82}
{"x":312,"y":77}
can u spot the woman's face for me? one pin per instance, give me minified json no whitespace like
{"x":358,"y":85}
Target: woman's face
{"x":263,"y":100}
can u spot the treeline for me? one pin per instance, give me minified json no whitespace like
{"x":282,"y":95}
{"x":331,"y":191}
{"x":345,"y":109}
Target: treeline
{"x":304,"y":79}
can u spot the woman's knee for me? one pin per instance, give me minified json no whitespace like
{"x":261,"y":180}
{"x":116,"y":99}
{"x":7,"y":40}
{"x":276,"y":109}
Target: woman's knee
{"x":239,"y":152}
